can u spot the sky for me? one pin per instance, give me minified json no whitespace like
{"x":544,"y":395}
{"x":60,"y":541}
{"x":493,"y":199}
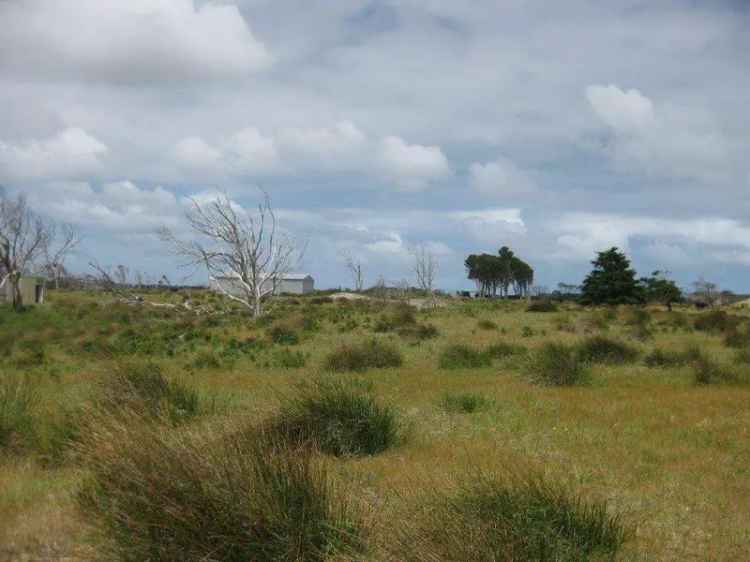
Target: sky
{"x":556,"y":128}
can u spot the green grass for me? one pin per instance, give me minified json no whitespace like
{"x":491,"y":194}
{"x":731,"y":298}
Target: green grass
{"x":557,"y":364}
{"x":462,"y":356}
{"x":372,"y":354}
{"x":465,"y":403}
{"x":18,"y":399}
{"x":600,"y":349}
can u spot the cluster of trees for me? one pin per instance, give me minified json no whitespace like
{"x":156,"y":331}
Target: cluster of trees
{"x":500,"y":273}
{"x":613,"y":281}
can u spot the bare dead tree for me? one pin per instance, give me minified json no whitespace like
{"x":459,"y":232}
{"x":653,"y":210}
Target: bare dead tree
{"x":23,"y":238}
{"x":61,"y":244}
{"x":250,"y":252}
{"x":356,"y":270}
{"x":425,"y":269}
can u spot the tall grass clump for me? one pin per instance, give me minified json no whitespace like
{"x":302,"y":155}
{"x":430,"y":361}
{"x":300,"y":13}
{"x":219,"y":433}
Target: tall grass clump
{"x":708,"y":371}
{"x":557,"y":364}
{"x":485,"y":324}
{"x":372,"y":354}
{"x":462,"y":356}
{"x":464,"y":403}
{"x":219,"y":495}
{"x":667,"y":358}
{"x":18,"y":398}
{"x":341,"y":418}
{"x":398,"y":316}
{"x":143,"y":388}
{"x":283,"y":333}
{"x":600,"y":349}
{"x":523,"y":519}
{"x":715,"y":321}
{"x":503,"y":350}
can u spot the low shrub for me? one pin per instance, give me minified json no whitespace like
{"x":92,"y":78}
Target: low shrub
{"x":288,"y":359}
{"x":418,"y":332}
{"x":207,"y":359}
{"x":715,"y":321}
{"x":341,"y":418}
{"x":18,"y":398}
{"x":737,"y":339}
{"x":707,"y":371}
{"x":321,"y":300}
{"x":599,"y":349}
{"x":523,"y":519}
{"x":544,"y":305}
{"x":461,"y":356}
{"x":557,"y":364}
{"x":464,"y":403}
{"x":742,"y":357}
{"x":232,"y":496}
{"x":503,"y":350}
{"x":373,"y":354}
{"x":283,"y":333}
{"x":527,"y":332}
{"x":637,"y":316}
{"x":142,"y":388}
{"x":485,"y":324}
{"x":666,"y":358}
{"x":399,"y":316}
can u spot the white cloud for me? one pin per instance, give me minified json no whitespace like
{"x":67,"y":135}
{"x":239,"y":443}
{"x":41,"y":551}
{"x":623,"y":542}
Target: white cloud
{"x":343,"y":139}
{"x":245,"y":152}
{"x":136,"y":40}
{"x":412,"y":165}
{"x":669,"y":141}
{"x":195,"y":153}
{"x":71,"y":153}
{"x":500,"y":178}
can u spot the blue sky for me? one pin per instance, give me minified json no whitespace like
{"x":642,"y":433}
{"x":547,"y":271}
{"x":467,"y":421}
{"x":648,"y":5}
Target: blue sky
{"x":558,"y":129}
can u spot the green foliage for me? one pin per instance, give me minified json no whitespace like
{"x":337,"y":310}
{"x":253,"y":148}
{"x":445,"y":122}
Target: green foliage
{"x":737,"y":339}
{"x":666,"y":358}
{"x":599,"y":349}
{"x":283,"y":333}
{"x":503,"y":350}
{"x":461,"y":356}
{"x":153,"y":495}
{"x":372,"y":354}
{"x":288,"y":359}
{"x":612,"y":281}
{"x":499,"y":272}
{"x":544,"y":305}
{"x":658,"y":288}
{"x":339,"y":417}
{"x":708,"y":371}
{"x":465,"y":403}
{"x":557,"y":364}
{"x":418,"y":332}
{"x":18,"y":399}
{"x":523,"y":519}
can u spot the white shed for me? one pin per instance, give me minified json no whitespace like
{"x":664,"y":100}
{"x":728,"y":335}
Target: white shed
{"x":291,"y":283}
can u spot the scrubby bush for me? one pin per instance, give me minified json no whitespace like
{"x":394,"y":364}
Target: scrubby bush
{"x":485,"y":324}
{"x":462,"y":356}
{"x":557,"y":364}
{"x":288,"y":359}
{"x":464,"y":403}
{"x":164,"y":496}
{"x":283,"y":333}
{"x":544,"y":305}
{"x":401,"y":315}
{"x":18,"y":398}
{"x":503,"y":350}
{"x":321,"y":300}
{"x":742,"y":357}
{"x":708,"y":371}
{"x":599,"y":349}
{"x":666,"y":358}
{"x":523,"y":519}
{"x":142,"y":388}
{"x":715,"y":321}
{"x":418,"y":332}
{"x":207,"y":359}
{"x":636,"y":316}
{"x":339,"y":417}
{"x":372,"y":354}
{"x":737,"y":339}
{"x":527,"y":332}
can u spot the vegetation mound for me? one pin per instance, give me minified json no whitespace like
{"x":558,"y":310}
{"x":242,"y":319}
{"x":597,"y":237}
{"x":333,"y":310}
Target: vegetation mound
{"x":465,"y":403}
{"x":373,"y":354}
{"x":600,"y":349}
{"x":462,"y":356}
{"x":557,"y":364}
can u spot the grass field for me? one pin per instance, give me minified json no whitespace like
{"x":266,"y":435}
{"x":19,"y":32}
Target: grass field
{"x":463,"y":396}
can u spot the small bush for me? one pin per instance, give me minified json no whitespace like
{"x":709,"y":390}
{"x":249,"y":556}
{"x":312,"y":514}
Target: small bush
{"x":715,"y":321}
{"x":400,"y":316}
{"x":142,"y":388}
{"x":465,"y":403}
{"x":288,"y":359}
{"x":237,"y":496}
{"x":485,"y":324}
{"x":665,"y":358}
{"x":637,"y":317}
{"x":558,"y":365}
{"x":742,"y":357}
{"x":418,"y":332}
{"x":599,"y":349}
{"x":373,"y":354}
{"x":523,"y":519}
{"x":527,"y":332}
{"x":461,"y":356}
{"x":283,"y":333}
{"x":339,"y":417}
{"x":321,"y":300}
{"x":18,"y":398}
{"x":207,"y":359}
{"x":737,"y":339}
{"x":503,"y":350}
{"x":544,"y":305}
{"x":708,"y":371}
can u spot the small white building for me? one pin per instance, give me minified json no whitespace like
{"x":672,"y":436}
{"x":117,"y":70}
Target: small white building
{"x":291,"y":283}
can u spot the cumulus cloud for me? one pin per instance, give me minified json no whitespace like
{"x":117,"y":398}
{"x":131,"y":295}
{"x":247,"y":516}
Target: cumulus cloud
{"x":667,"y":141}
{"x":412,"y":166}
{"x":500,"y":178}
{"x":132,"y":41}
{"x":71,"y":153}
